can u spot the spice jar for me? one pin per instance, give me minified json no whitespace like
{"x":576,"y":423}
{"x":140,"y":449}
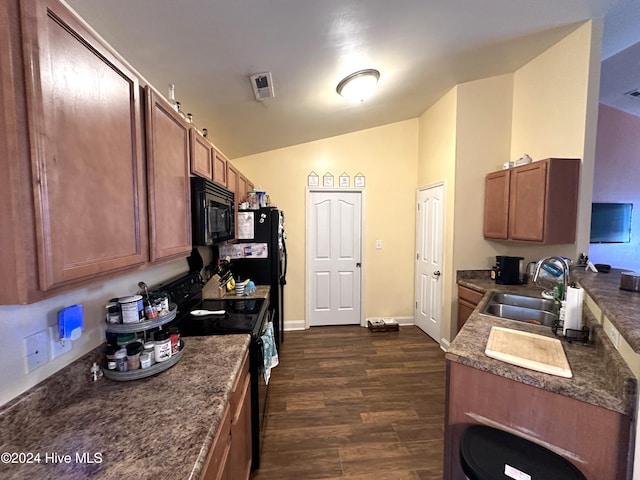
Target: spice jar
{"x":111,"y":356}
{"x":150,"y":311}
{"x":133,"y":355}
{"x":145,"y":360}
{"x":113,"y":312}
{"x":148,"y":349}
{"x":121,"y":360}
{"x":162,"y":346}
{"x":174,"y":336}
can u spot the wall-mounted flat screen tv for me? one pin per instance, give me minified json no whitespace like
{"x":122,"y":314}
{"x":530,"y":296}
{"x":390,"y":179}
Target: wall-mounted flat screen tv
{"x":611,"y":222}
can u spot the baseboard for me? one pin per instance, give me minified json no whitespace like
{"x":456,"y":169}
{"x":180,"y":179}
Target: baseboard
{"x":291,"y":325}
{"x":444,"y":345}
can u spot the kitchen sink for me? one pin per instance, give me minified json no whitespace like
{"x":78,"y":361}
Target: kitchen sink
{"x":525,"y":302}
{"x":538,"y":311}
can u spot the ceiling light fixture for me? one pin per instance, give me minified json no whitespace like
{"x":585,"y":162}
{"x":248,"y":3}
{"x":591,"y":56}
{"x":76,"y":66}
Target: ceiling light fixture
{"x":358,"y":86}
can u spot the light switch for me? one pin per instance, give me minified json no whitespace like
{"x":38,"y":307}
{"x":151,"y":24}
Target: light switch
{"x":36,"y":349}
{"x":378,"y":244}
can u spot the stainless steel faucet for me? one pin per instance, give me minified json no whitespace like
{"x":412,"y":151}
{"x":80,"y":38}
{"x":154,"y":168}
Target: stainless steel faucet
{"x":564,"y":262}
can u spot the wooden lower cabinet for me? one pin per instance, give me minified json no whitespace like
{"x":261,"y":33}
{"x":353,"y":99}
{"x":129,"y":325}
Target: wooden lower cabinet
{"x":468,"y":300}
{"x":594,"y":439}
{"x":230,"y":454}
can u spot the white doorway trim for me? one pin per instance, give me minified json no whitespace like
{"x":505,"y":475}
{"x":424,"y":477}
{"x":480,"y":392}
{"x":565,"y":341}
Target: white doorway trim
{"x":308,"y":254}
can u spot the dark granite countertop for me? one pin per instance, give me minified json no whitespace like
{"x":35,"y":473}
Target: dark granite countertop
{"x":156,"y":427}
{"x":600,"y":375}
{"x":621,"y":307}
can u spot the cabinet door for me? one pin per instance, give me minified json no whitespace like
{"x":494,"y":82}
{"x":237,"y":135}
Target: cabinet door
{"x":527,"y":207}
{"x":201,"y":155}
{"x":241,"y":453}
{"x":242,"y":188}
{"x":86,"y":154}
{"x":496,"y":205}
{"x":216,"y":466}
{"x":468,"y":300}
{"x":167,"y":180}
{"x":219,"y":168}
{"x":232,"y":181}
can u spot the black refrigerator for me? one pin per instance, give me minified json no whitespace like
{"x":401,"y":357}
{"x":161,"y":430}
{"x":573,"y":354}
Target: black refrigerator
{"x":259,"y":227}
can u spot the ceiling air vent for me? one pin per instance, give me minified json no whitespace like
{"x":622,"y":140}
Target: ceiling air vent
{"x":262,"y":86}
{"x":634,"y":94}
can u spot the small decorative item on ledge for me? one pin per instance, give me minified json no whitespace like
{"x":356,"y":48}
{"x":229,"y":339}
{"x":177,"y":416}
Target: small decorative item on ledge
{"x":313,"y":180}
{"x":327,"y":180}
{"x":383,"y":325}
{"x":358,"y":180}
{"x":344,"y":180}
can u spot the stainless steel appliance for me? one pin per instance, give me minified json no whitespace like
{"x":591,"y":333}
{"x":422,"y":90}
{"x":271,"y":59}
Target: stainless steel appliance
{"x":241,"y":316}
{"x":507,"y":270}
{"x":264,"y":226}
{"x":212,"y":212}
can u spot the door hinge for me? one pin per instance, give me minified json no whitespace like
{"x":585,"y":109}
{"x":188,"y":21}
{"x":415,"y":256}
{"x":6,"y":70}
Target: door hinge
{"x":416,"y":305}
{"x":418,"y":205}
{"x":417,"y":255}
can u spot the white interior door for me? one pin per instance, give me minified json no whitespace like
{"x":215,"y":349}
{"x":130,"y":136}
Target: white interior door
{"x":334,"y":234}
{"x":429,"y":245}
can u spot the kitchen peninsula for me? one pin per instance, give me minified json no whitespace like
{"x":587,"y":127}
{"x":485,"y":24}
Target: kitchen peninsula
{"x":158,"y":427}
{"x":586,"y":419}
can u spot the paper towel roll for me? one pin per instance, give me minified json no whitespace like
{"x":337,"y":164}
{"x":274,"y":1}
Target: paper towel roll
{"x":573,"y":309}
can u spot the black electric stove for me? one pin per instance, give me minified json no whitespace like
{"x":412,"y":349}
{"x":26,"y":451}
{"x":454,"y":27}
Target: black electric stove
{"x":241,"y":316}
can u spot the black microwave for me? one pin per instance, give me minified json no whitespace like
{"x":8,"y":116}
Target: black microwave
{"x":212,"y":212}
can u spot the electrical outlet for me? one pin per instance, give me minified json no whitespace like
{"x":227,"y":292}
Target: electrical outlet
{"x":57,"y":345}
{"x":36,"y":349}
{"x":378,"y":244}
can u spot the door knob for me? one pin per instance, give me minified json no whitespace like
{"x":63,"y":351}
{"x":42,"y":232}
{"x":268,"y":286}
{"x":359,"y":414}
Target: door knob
{"x":436,"y":273}
{"x":358,"y":265}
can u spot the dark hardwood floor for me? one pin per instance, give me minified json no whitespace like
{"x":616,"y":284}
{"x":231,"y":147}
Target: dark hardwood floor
{"x":348,"y":403}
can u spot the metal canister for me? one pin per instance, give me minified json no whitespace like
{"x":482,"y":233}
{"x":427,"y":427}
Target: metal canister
{"x":131,"y":309}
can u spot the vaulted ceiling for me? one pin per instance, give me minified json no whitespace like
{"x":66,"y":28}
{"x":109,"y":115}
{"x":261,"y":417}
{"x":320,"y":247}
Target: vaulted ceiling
{"x":209,"y":48}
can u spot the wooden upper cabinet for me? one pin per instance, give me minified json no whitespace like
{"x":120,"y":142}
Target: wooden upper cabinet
{"x":496,"y":205}
{"x":219,"y":168}
{"x":168,"y":183}
{"x":86,"y":149}
{"x":201,"y":155}
{"x":243,"y":188}
{"x":542,"y":202}
{"x":232,"y":181}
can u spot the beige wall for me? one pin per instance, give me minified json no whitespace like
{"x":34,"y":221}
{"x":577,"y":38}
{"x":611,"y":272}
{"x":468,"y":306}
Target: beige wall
{"x":20,"y":321}
{"x":436,"y":163}
{"x":387,"y":156}
{"x":554,"y":115}
{"x":546,"y":109}
{"x":462,"y":137}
